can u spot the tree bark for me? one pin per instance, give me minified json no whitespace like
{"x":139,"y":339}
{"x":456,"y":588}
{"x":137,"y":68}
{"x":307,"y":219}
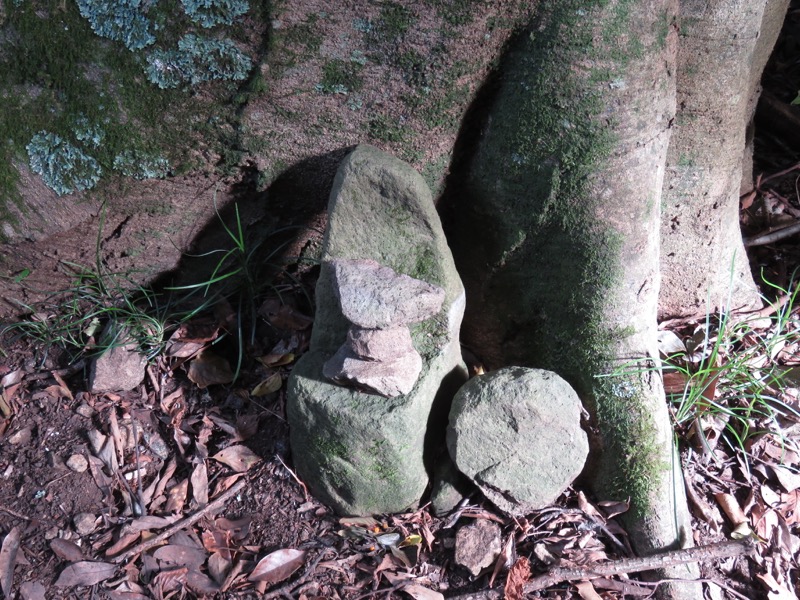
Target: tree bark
{"x":723,"y":49}
{"x":558,"y":235}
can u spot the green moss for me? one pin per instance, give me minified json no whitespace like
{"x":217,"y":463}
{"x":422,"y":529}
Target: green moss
{"x":340,"y":77}
{"x":394,"y":21}
{"x":548,"y":138}
{"x":387,"y":129}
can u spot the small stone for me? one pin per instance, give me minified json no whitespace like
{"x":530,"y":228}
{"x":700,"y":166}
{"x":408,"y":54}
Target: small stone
{"x":119,"y":368}
{"x":85,"y":523}
{"x":23,"y":436}
{"x":478,"y":545}
{"x":388,"y":378}
{"x":375,"y":297}
{"x":380,"y":344}
{"x":77,"y":463}
{"x":85,"y":410}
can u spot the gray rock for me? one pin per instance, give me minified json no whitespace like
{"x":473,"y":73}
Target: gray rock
{"x":516,"y":434}
{"x":478,"y":545}
{"x":361,"y":453}
{"x":373,"y":296}
{"x":119,"y":368}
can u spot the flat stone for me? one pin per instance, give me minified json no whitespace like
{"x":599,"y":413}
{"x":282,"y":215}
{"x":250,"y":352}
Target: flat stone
{"x":380,"y":344}
{"x":373,"y":296}
{"x":478,"y":545}
{"x":516,"y":434}
{"x":391,"y":377}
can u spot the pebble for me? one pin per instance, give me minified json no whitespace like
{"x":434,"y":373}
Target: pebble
{"x":85,"y":523}
{"x":77,"y":463}
{"x":478,"y":545}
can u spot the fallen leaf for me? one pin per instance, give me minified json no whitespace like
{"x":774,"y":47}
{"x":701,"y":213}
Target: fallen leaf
{"x":64,"y":549}
{"x":278,"y":565}
{"x":419,"y":592}
{"x":12,"y":378}
{"x":32,"y":590}
{"x":8,"y":558}
{"x":776,"y":590}
{"x":269,"y":385}
{"x":85,"y":573}
{"x":518,"y":576}
{"x":182,"y":556}
{"x":176,"y":496}
{"x":209,"y":369}
{"x":200,"y":484}
{"x":239,"y":458}
{"x":276,"y":359}
{"x":586,"y":591}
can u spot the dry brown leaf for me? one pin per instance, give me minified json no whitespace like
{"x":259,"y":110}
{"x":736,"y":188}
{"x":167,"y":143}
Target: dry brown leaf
{"x":181,"y":556}
{"x":278,"y":565}
{"x":8,"y":558}
{"x":586,"y":591}
{"x":176,"y":496}
{"x":419,"y":592}
{"x":67,"y":550}
{"x":237,"y":529}
{"x":276,"y":359}
{"x":268,"y":386}
{"x":126,"y":540}
{"x":209,"y":369}
{"x":12,"y":378}
{"x":776,"y":591}
{"x":33,"y":590}
{"x":200,"y":484}
{"x":239,"y":458}
{"x":85,"y":573}
{"x":218,"y":567}
{"x":201,"y":584}
{"x":518,"y":576}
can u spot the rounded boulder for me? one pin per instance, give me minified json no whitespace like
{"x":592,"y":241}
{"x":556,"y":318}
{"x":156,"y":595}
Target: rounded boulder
{"x":516,"y":434}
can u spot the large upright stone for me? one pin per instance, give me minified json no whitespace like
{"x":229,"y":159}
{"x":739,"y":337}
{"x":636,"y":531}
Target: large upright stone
{"x":358,"y":452}
{"x":516,"y":434}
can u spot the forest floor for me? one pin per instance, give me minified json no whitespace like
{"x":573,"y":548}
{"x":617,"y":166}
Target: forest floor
{"x":184,"y":486}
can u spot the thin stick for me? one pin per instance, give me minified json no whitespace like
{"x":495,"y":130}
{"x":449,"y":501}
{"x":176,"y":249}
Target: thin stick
{"x":210,"y":508}
{"x":646,"y":563}
{"x":779,"y":174}
{"x":771,"y":236}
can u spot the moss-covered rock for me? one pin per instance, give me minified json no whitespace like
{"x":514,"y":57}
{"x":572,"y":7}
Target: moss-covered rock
{"x":363,"y":453}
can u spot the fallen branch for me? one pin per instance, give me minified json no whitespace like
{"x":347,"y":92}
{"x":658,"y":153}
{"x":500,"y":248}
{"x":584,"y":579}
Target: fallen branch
{"x":662,"y":560}
{"x":210,"y":508}
{"x":772,"y":236}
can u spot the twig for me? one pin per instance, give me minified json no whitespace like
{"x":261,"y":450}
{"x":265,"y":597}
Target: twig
{"x":295,"y":477}
{"x":646,"y":563}
{"x":14,"y":513}
{"x":779,"y":174}
{"x":65,"y":372}
{"x":210,"y":508}
{"x":772,"y":236}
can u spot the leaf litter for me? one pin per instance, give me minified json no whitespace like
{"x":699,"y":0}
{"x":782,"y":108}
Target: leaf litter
{"x":189,"y":487}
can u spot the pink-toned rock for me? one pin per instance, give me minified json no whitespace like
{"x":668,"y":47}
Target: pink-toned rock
{"x":380,"y":344}
{"x":389,"y":378}
{"x":375,"y":297}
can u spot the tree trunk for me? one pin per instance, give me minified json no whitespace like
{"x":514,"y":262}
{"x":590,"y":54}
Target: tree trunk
{"x":558,"y":236}
{"x":723,"y":49}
